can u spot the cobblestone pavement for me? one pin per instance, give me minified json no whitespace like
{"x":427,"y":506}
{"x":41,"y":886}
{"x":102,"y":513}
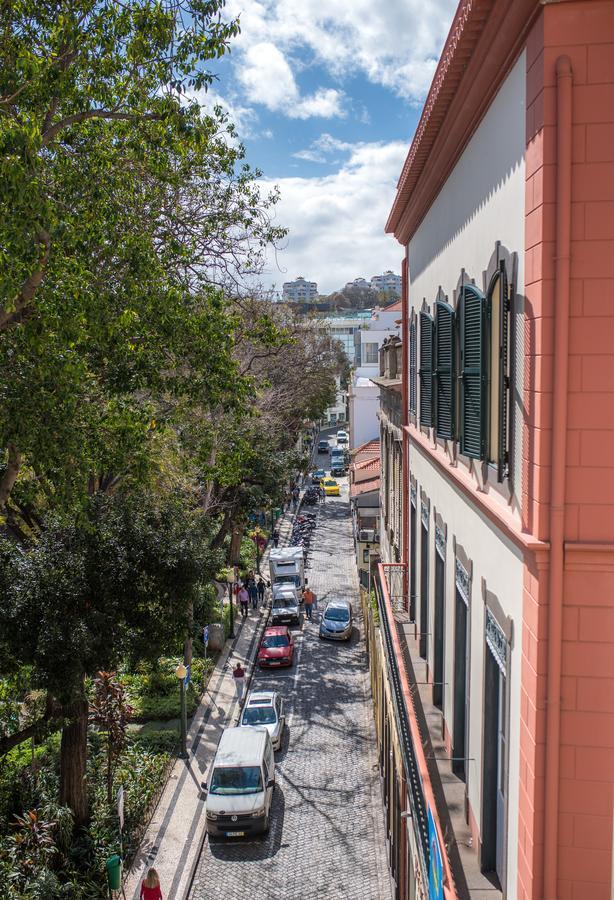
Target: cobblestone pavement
{"x":326,"y":839}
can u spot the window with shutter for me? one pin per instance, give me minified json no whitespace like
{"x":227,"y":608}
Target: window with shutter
{"x":445,"y":374}
{"x":499,"y":382}
{"x":412,"y":364}
{"x":472,"y":373}
{"x":427,"y":346}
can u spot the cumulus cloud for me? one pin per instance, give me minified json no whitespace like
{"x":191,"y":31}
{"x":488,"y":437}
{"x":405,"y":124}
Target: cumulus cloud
{"x":336,"y":221}
{"x":319,"y":151}
{"x":395,"y":44}
{"x":267,"y":79}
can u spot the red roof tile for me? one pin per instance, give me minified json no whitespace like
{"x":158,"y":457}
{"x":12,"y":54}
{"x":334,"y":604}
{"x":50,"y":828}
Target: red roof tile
{"x":363,"y":487}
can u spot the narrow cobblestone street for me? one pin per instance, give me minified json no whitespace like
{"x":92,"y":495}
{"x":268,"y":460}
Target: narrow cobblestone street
{"x":326,"y":838}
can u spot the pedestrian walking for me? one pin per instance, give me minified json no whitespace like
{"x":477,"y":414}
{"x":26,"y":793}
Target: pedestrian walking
{"x":243,"y":598}
{"x":238,"y":673}
{"x":252,"y":590}
{"x":150,"y":887}
{"x":308,"y":599}
{"x":295,"y":496}
{"x":275,"y":538}
{"x":322,"y":494}
{"x":261,"y":589}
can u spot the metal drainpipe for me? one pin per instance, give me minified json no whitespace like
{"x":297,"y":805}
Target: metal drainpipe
{"x":558,"y":473}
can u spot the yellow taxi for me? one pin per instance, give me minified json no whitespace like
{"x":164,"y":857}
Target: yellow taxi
{"x":331,"y":487}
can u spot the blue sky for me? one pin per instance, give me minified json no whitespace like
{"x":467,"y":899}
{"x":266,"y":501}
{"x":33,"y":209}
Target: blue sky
{"x":326,"y":95}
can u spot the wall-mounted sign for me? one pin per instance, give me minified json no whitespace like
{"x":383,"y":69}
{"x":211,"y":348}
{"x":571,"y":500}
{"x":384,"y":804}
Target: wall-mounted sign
{"x":435,"y":862}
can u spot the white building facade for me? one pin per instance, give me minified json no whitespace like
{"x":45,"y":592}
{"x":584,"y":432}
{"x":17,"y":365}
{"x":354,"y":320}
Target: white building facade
{"x":364,"y":394}
{"x":300,"y":290}
{"x":388,"y":283}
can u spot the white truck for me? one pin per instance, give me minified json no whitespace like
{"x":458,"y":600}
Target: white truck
{"x":287,"y":566}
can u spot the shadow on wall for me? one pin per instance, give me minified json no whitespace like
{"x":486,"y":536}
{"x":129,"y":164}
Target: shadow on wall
{"x":492,"y":158}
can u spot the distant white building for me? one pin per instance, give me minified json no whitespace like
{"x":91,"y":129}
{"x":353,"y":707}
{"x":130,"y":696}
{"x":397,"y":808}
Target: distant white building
{"x":338,"y":413}
{"x":300,"y":290}
{"x":359,"y":283}
{"x":363,"y":394}
{"x":388,"y":283}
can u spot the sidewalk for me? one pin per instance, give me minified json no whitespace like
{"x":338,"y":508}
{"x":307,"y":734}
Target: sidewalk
{"x":175,"y":834}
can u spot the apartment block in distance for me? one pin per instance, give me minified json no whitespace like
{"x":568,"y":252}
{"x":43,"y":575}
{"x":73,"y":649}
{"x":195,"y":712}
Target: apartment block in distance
{"x":299,"y":290}
{"x":492,"y":651}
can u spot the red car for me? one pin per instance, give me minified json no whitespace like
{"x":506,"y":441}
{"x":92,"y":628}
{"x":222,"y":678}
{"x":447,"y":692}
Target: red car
{"x":276,"y":648}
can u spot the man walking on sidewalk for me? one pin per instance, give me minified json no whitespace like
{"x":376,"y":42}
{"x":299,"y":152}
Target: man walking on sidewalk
{"x":275,"y":538}
{"x":308,"y":599}
{"x":261,"y":589}
{"x":238,"y":673}
{"x":243,"y":598}
{"x":252,"y":590}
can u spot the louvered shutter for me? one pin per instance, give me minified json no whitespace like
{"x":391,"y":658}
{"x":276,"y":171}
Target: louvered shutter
{"x":427,"y":328}
{"x":445,"y":376}
{"x":472,"y":374}
{"x":412,"y":365}
{"x":504,"y":382}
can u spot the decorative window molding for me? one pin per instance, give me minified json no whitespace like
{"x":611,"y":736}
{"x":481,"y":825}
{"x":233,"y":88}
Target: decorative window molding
{"x":413,"y":494}
{"x":440,"y":541}
{"x":425,"y":509}
{"x":496,"y":641}
{"x":463,"y":581}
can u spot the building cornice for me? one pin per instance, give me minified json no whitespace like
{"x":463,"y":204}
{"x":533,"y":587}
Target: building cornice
{"x":482,"y":45}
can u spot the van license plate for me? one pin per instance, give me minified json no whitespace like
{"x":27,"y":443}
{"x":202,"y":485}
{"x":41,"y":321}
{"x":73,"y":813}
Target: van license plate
{"x":274,"y":662}
{"x":235,"y":834}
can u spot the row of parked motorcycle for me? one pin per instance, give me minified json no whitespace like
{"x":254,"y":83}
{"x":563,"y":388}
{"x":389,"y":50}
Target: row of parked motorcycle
{"x":302,"y":532}
{"x":311,"y":496}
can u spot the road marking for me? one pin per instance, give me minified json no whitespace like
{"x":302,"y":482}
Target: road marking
{"x":295,"y":681}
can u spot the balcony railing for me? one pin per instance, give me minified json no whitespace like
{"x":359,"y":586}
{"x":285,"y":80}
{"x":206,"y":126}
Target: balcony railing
{"x":391,"y":601}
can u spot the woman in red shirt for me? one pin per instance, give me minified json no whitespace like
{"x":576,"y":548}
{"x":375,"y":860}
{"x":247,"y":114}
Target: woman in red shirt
{"x":150,"y":889}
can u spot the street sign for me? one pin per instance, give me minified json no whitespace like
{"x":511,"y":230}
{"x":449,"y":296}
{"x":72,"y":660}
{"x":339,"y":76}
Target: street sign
{"x":206,"y":635}
{"x":120,"y":806}
{"x":186,"y":680}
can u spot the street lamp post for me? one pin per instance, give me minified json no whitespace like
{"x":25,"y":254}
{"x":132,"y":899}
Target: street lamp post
{"x":231,"y":580}
{"x":181,"y":673}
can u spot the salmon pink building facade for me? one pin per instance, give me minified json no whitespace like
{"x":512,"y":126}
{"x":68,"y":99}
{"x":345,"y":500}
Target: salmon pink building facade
{"x":496,"y":679}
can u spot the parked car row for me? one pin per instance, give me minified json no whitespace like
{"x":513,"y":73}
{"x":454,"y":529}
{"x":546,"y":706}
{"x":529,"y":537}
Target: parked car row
{"x":241,"y":781}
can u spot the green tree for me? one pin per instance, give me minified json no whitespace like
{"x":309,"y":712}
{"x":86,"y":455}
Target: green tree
{"x":121,"y":204}
{"x":114,"y":584}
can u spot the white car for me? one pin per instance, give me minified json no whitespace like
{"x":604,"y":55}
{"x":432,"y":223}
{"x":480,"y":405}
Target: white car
{"x":342,"y":438}
{"x":265,"y":709}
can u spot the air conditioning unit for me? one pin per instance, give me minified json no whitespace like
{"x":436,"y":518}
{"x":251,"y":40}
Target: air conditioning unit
{"x":366,"y":535}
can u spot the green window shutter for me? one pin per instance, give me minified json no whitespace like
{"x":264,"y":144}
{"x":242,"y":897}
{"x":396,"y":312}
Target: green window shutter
{"x":445,"y":375}
{"x":504,"y":381}
{"x":427,"y":346}
{"x":413,"y":347}
{"x":473,"y":373}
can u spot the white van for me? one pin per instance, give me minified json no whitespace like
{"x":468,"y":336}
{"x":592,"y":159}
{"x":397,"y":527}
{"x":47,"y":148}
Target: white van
{"x":240,"y":783}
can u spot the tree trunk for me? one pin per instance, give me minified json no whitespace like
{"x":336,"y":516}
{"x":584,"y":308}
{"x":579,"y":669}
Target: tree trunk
{"x":73,"y":758}
{"x":7,"y":482}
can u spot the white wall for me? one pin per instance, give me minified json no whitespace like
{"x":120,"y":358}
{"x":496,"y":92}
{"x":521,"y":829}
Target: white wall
{"x":364,"y":407}
{"x":481,"y":202}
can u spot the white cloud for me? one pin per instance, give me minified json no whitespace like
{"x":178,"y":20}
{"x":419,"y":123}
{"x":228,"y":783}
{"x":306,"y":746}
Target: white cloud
{"x":268,"y":79}
{"x":337,"y":221}
{"x":395,"y":44}
{"x":320,"y":149}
